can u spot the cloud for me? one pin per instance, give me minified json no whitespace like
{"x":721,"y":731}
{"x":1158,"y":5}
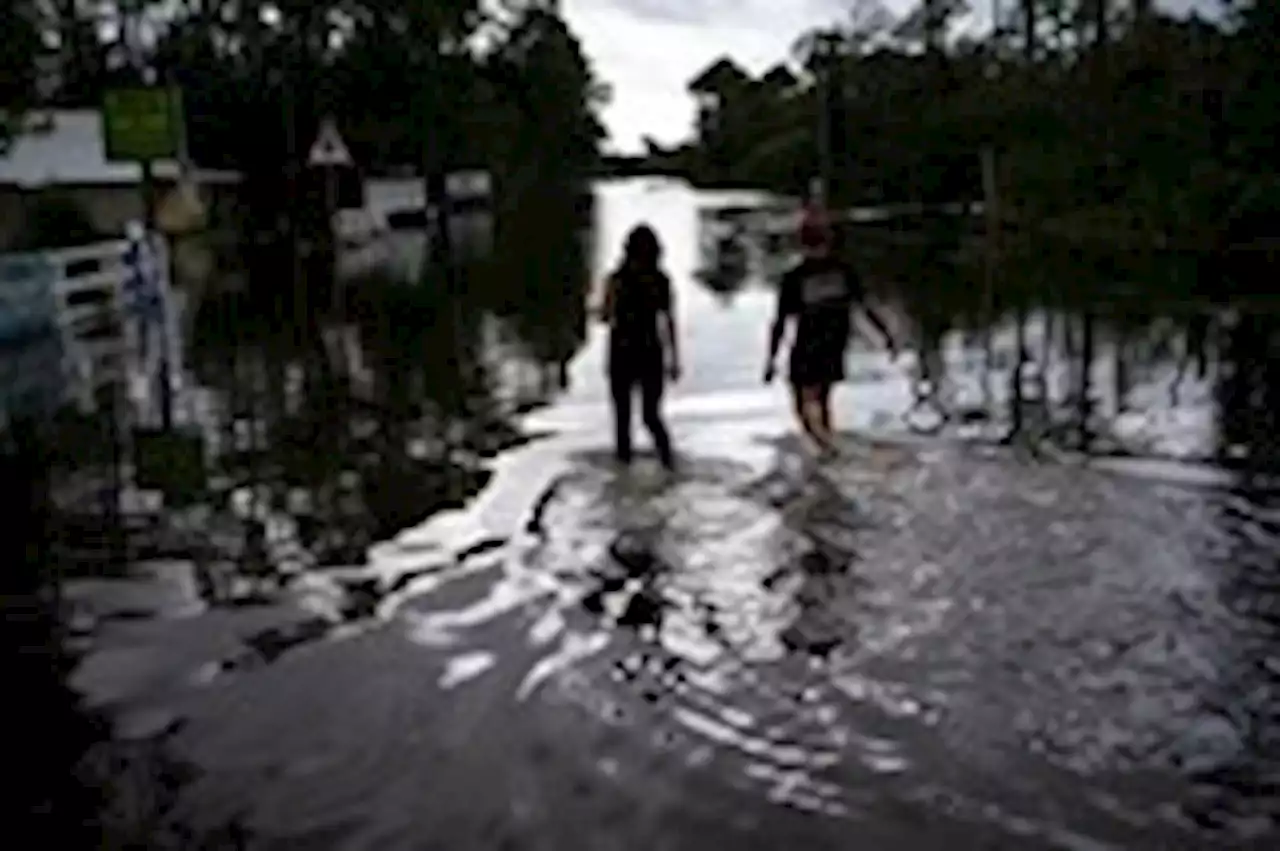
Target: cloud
{"x":713,"y":12}
{"x":648,"y":50}
{"x":673,"y":12}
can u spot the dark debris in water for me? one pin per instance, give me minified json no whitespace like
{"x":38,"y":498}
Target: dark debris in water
{"x":270,"y":644}
{"x":361,"y":599}
{"x":138,"y":783}
{"x":480,"y":548}
{"x":404,"y":580}
{"x":637,"y":556}
{"x":535,"y":524}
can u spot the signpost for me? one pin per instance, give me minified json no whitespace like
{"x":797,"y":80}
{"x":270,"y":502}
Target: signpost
{"x":142,"y":125}
{"x":330,"y":153}
{"x":150,"y":306}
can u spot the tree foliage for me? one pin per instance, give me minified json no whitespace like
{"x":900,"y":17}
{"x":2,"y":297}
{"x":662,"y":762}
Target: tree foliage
{"x":19,"y":47}
{"x":53,"y":220}
{"x":411,"y":83}
{"x":1166,"y":118}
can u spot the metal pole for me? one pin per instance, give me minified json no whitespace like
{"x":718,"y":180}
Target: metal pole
{"x":1020,"y":312}
{"x":990,"y":205}
{"x":292,"y":171}
{"x":1099,"y":9}
{"x":331,"y":219}
{"x":440,"y":241}
{"x":342,"y":364}
{"x":117,"y":544}
{"x":152,"y":243}
{"x":825,"y":153}
{"x":130,"y":20}
{"x":169,"y":326}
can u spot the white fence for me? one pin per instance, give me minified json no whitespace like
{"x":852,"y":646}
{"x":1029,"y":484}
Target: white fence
{"x":72,"y":305}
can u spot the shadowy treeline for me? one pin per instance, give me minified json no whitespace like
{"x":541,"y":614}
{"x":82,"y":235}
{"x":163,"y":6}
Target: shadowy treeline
{"x":1086,"y":102}
{"x":368,"y":398}
{"x":1130,"y":155}
{"x":383,"y":412}
{"x":307,"y":442}
{"x":1125,"y":157}
{"x":455,"y":85}
{"x":45,"y":797}
{"x":312,"y":431}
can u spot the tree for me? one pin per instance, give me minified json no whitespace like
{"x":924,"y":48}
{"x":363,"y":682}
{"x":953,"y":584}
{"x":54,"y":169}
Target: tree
{"x":19,"y":48}
{"x":548,"y":96}
{"x":1151,"y":154}
{"x":519,"y":101}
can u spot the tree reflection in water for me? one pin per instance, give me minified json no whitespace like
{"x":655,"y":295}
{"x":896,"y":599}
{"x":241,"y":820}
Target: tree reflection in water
{"x":390,"y":413}
{"x":1232,"y":752}
{"x":724,"y":265}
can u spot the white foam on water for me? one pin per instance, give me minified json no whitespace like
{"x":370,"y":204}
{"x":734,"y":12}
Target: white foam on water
{"x":466,"y":667}
{"x":574,"y":649}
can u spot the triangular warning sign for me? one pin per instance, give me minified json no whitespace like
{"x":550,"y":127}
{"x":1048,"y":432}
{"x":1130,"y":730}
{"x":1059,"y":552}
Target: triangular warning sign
{"x":328,"y":148}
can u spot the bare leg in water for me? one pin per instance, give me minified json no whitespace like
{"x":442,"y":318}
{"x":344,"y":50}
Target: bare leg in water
{"x":824,"y":395}
{"x":813,"y":414}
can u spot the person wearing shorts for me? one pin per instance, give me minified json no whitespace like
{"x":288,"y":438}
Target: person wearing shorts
{"x":819,"y":294}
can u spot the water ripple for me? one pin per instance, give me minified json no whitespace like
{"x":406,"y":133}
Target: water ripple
{"x":921,"y":635}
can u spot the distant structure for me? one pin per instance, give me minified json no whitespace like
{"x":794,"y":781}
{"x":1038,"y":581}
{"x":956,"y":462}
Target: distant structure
{"x":714,"y":91}
{"x":781,"y":80}
{"x":61,"y":152}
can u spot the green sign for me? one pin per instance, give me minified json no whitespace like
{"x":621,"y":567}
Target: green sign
{"x":142,"y":124}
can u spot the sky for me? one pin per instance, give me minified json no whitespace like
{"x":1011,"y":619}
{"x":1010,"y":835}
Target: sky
{"x":648,"y":50}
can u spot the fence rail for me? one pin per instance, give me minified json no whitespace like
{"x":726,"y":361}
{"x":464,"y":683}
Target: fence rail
{"x":72,"y":305}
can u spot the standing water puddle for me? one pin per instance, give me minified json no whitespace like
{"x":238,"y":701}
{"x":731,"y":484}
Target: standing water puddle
{"x":919,"y":640}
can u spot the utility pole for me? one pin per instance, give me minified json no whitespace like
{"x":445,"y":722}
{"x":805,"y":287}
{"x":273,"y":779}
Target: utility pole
{"x":131,"y":25}
{"x":1016,"y":400}
{"x":826,"y":50}
{"x":1102,"y":79}
{"x":301,"y":302}
{"x":439,"y":236}
{"x":1029,"y":46}
{"x":991,"y":212}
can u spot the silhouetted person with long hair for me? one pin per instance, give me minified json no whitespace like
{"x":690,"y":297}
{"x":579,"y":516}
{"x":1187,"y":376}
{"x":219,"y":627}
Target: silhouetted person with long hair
{"x":643,"y":353}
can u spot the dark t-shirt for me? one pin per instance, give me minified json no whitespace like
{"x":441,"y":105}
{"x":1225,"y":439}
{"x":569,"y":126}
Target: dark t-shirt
{"x":639,"y":298}
{"x":820,"y":294}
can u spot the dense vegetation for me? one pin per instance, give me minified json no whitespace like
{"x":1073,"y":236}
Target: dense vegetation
{"x":412,"y":84}
{"x":1104,"y":117}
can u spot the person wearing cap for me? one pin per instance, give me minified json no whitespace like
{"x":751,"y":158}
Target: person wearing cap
{"x":819,"y":294}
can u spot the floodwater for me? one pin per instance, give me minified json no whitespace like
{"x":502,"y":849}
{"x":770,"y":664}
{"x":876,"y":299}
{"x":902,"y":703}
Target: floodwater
{"x":931,"y":643}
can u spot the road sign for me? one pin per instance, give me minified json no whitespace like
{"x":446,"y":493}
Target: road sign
{"x":329,"y":150}
{"x":141,"y":124}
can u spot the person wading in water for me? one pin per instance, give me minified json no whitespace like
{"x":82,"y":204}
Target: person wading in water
{"x":820,"y":293}
{"x":643,"y":353}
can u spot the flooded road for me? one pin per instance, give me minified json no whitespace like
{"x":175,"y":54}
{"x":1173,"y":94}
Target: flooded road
{"x":929,"y":644}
